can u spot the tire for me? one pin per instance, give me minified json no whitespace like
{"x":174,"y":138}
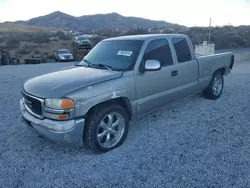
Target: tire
{"x":213,"y":91}
{"x":93,"y":128}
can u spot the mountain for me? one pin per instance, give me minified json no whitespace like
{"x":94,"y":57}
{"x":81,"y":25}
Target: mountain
{"x":114,"y":20}
{"x":56,"y":19}
{"x":98,"y":21}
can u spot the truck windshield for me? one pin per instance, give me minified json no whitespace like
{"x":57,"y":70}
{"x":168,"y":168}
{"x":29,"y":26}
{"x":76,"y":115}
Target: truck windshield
{"x":117,"y":55}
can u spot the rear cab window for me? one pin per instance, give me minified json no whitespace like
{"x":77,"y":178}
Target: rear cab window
{"x":159,"y":49}
{"x":182,"y":49}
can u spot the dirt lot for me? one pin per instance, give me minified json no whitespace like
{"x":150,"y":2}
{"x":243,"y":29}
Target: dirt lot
{"x":192,"y":143}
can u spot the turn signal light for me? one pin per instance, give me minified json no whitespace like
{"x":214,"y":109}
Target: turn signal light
{"x":67,"y":104}
{"x":63,"y":117}
{"x":57,"y":116}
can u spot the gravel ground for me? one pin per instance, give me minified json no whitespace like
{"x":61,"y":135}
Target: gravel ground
{"x":192,"y":143}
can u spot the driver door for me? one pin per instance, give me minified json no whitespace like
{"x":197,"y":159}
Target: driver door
{"x":155,"y":88}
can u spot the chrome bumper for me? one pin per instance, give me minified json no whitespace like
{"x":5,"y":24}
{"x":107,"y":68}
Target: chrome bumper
{"x":63,"y":58}
{"x":65,"y":132}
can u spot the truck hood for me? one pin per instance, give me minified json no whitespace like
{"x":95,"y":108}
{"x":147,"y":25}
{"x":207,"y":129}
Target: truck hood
{"x":60,"y":83}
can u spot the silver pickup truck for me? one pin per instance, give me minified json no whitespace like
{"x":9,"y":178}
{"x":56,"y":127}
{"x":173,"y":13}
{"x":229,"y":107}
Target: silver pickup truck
{"x":92,"y":102}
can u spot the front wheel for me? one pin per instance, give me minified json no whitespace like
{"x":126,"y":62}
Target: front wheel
{"x":215,"y":87}
{"x":106,"y":128}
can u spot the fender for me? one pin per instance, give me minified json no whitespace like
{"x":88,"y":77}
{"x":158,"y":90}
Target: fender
{"x":82,"y":107}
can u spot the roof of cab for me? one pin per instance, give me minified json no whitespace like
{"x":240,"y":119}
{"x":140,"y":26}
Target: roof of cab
{"x":145,"y":37}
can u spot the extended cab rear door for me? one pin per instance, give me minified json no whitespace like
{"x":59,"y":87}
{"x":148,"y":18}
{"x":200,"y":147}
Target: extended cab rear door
{"x":186,"y":66}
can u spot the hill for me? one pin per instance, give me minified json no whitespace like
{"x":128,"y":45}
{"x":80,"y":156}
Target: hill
{"x":98,"y":21}
{"x":55,"y":19}
{"x":13,"y":27}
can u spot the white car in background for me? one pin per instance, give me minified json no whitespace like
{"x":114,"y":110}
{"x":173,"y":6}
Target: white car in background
{"x":63,"y":55}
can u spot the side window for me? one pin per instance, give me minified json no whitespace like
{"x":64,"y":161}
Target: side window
{"x":159,"y":50}
{"x":182,"y":49}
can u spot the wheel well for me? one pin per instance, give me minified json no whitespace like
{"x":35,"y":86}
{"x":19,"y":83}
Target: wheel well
{"x":222,"y":70}
{"x":122,"y":101}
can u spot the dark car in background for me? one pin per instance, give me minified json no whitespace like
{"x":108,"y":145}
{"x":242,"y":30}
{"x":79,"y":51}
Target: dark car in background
{"x":83,"y":42}
{"x":63,"y":55}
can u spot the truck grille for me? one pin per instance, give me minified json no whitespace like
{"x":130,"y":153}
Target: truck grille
{"x":33,"y":104}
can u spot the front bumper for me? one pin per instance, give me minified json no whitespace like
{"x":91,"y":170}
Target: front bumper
{"x":66,"y":132}
{"x":66,"y":58}
{"x":85,"y":45}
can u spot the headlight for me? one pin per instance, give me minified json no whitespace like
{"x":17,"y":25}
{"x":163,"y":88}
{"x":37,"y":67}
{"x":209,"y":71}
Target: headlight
{"x":60,"y":104}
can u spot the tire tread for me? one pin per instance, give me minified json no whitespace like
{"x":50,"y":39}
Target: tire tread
{"x":208,"y":92}
{"x":93,"y":119}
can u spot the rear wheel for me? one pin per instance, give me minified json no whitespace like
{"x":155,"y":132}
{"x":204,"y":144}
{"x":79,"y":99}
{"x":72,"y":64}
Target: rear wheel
{"x":215,"y":87}
{"x":106,"y":128}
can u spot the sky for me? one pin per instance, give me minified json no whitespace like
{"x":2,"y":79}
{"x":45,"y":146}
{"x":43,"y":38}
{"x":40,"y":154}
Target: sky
{"x":184,"y":12}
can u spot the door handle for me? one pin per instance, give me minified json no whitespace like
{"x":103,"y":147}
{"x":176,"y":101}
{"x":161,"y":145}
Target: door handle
{"x":174,"y":73}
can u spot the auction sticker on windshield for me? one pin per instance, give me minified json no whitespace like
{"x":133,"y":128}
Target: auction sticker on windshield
{"x":125,"y":53}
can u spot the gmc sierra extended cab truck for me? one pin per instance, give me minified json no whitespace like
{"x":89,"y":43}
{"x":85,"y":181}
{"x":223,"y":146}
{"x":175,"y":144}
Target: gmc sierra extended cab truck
{"x":92,"y":102}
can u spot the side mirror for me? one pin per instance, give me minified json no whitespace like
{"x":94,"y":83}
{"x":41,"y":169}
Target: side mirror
{"x":152,"y":65}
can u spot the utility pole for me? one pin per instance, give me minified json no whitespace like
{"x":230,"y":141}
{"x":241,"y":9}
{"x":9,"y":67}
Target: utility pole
{"x":209,"y":34}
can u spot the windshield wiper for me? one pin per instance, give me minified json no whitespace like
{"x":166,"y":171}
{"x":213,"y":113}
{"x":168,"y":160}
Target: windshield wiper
{"x":88,"y":63}
{"x":80,"y":64}
{"x":104,"y":66}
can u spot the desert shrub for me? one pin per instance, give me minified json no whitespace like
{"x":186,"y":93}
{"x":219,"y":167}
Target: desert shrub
{"x":50,"y":56}
{"x":63,"y":36}
{"x":96,"y":40}
{"x":73,"y":43}
{"x":40,"y":38}
{"x":14,"y":40}
{"x":37,"y":52}
{"x":136,"y":31}
{"x":45,"y":54}
{"x":11,"y":45}
{"x":23,"y":52}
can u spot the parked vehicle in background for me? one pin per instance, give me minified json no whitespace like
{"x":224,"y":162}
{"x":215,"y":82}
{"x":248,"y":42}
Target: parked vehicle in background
{"x":118,"y":79}
{"x":83,"y":42}
{"x":63,"y":55}
{"x":35,"y":59}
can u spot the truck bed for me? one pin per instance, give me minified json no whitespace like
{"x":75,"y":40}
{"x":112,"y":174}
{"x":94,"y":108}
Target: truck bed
{"x":210,"y":63}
